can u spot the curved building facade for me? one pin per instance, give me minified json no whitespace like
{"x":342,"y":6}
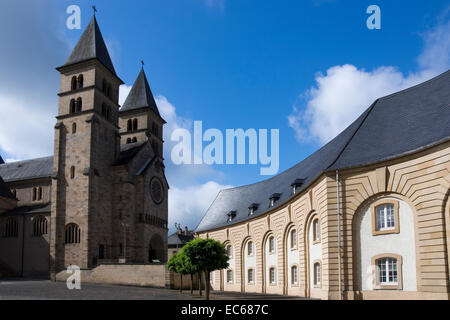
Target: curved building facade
{"x":364,"y":217}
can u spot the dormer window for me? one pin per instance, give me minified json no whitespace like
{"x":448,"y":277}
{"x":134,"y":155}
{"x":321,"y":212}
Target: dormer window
{"x":296,"y":185}
{"x":231,"y":216}
{"x":274,"y":198}
{"x":253,"y":207}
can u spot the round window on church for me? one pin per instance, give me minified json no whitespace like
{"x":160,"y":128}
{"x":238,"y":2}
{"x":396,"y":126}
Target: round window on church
{"x":156,"y":190}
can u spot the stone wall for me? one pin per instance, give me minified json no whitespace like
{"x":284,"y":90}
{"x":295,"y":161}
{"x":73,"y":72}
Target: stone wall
{"x":146,"y":275}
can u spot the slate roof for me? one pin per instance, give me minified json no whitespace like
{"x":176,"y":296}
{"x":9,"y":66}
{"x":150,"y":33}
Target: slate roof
{"x":180,"y":239}
{"x":128,"y":151}
{"x":91,"y":46}
{"x":393,"y":126}
{"x":140,"y":95}
{"x":33,"y":209}
{"x":1,"y":160}
{"x":28,"y":169}
{"x":5,"y":192}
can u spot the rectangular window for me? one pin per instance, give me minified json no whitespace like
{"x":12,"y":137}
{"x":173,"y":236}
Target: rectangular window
{"x":294,"y":275}
{"x":229,"y":276}
{"x":317,"y":274}
{"x":272,"y":275}
{"x":387,"y":271}
{"x":250,"y":275}
{"x":385,"y":217}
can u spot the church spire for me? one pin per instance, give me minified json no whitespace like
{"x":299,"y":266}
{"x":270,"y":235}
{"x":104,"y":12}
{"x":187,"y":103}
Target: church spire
{"x":140,"y":95}
{"x":1,"y":160}
{"x":91,"y":46}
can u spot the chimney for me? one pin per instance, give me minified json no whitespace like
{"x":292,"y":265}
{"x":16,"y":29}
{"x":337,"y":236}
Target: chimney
{"x":179,"y":230}
{"x":186,"y":231}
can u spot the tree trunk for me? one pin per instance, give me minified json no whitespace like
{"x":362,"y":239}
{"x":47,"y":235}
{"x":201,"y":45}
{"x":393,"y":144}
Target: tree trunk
{"x":192,"y":284}
{"x":181,"y":283}
{"x":208,"y":279}
{"x":200,"y":283}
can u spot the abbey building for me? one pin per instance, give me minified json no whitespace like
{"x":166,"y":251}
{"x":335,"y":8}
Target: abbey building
{"x":367,"y":216}
{"x":102,"y":196}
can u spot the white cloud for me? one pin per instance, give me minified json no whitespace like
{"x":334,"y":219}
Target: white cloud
{"x":187,"y":206}
{"x":344,"y":92}
{"x":124,"y":90}
{"x":26,"y":127}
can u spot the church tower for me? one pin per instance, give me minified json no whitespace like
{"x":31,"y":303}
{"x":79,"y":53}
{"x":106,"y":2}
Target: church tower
{"x":87,"y":143}
{"x":139,"y":117}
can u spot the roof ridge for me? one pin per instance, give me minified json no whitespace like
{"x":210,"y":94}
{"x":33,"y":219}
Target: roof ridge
{"x":421,"y":84}
{"x":23,"y":161}
{"x":369,"y":110}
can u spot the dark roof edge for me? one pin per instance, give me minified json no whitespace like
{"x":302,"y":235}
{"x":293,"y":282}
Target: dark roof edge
{"x":314,"y":180}
{"x":60,"y":68}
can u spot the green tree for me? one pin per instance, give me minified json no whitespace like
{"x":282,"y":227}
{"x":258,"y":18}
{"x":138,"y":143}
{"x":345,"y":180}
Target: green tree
{"x":187,"y":267}
{"x":174,"y":265}
{"x":206,"y":255}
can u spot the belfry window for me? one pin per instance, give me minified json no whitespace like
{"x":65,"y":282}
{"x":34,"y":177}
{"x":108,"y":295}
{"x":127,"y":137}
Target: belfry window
{"x":128,"y":140}
{"x":134,"y":140}
{"x":39,"y":193}
{"x":73,"y":84}
{"x":80,"y":81}
{"x":11,"y":228}
{"x":79,"y":105}
{"x":39,"y":226}
{"x":129,"y":125}
{"x":72,"y":106}
{"x":34,"y":194}
{"x":73,"y":234}
{"x":135,"y":124}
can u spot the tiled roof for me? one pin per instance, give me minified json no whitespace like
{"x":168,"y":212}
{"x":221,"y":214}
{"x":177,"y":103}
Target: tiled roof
{"x":140,"y":95}
{"x":28,"y":169}
{"x":91,"y":46}
{"x":392,"y":126}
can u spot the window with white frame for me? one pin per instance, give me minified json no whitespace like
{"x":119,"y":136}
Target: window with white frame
{"x":293,"y":239}
{"x":230,"y":276}
{"x":294,"y":275}
{"x":251,"y":275}
{"x":387,"y":271}
{"x":250,"y":248}
{"x":385,"y":217}
{"x":229,"y":251}
{"x":317,"y":275}
{"x":272,"y":275}
{"x":316,"y":230}
{"x":271,"y":244}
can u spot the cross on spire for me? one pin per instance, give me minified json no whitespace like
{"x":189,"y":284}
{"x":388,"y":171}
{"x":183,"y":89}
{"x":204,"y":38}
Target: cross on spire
{"x":142,"y":64}
{"x":95,"y":9}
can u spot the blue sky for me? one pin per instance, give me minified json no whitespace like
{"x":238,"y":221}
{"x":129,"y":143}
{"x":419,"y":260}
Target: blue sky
{"x":307,"y":68}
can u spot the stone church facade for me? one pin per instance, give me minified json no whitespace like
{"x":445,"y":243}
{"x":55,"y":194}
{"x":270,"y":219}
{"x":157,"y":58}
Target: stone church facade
{"x":367,"y":216}
{"x":102,"y":196}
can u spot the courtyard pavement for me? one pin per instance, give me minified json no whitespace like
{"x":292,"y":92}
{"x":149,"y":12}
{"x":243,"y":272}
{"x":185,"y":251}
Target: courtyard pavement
{"x":38,"y":289}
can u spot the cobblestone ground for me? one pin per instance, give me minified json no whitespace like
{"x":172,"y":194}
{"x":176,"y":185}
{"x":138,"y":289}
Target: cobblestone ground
{"x":25,"y":289}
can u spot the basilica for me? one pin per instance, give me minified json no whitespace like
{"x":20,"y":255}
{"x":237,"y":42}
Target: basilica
{"x":102,"y":196}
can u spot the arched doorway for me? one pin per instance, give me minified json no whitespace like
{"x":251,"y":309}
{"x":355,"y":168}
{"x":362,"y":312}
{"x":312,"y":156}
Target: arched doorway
{"x":156,"y":249}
